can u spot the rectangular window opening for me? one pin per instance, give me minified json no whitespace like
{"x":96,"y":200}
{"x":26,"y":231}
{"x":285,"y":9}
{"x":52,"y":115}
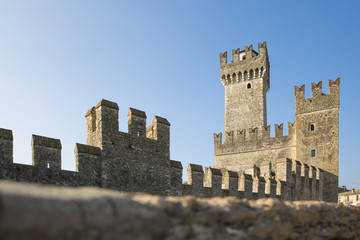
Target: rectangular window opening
{"x":312,"y":153}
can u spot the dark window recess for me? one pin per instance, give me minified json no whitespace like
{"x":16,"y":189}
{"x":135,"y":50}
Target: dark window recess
{"x":249,"y":86}
{"x":312,"y":153}
{"x":311,"y":127}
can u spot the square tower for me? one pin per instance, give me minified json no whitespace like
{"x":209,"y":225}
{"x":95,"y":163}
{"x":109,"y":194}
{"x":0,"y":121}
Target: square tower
{"x":317,"y":132}
{"x":246,"y":82}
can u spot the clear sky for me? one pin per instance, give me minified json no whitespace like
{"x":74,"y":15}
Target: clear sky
{"x":59,"y":58}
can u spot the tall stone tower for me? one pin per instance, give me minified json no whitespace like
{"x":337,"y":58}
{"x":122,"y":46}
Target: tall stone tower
{"x":246,"y":82}
{"x":312,"y":139}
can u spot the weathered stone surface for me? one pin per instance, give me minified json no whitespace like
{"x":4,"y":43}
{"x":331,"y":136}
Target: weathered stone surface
{"x":313,"y":139}
{"x":39,"y":212}
{"x":46,"y":142}
{"x":139,"y":160}
{"x":6,"y":134}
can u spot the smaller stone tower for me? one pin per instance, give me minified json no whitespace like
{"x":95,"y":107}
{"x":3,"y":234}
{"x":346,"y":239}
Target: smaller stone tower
{"x":246,"y":82}
{"x":317,"y":132}
{"x":136,"y":161}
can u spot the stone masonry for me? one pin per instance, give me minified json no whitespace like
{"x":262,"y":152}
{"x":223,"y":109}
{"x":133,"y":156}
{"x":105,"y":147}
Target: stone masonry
{"x":31,"y":211}
{"x":249,"y":164}
{"x":312,"y":139}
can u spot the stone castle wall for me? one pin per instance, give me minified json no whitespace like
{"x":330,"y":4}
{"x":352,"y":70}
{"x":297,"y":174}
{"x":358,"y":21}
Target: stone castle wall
{"x":139,"y":161}
{"x":248,"y":164}
{"x":312,"y":138}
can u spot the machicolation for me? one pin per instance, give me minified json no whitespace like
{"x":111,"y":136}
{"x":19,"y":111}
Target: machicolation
{"x":302,"y":165}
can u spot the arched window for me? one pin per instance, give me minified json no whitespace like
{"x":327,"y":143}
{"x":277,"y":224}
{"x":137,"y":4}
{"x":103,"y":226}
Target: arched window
{"x":228,"y":78}
{"x":234,"y":77}
{"x":245,"y":76}
{"x":223,"y":77}
{"x":257,"y":73}
{"x":248,"y":85}
{"x":311,"y":127}
{"x":243,"y":57}
{"x":261,"y":71}
{"x":251,"y":74}
{"x":239,"y":76}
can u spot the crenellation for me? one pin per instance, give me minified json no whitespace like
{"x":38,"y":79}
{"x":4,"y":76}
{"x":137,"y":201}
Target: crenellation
{"x":299,"y":92}
{"x":292,"y":129}
{"x":266,"y":132}
{"x":252,"y":170}
{"x":246,"y":185}
{"x":236,"y":55}
{"x":229,"y":138}
{"x":252,"y":134}
{"x":176,"y":178}
{"x":334,"y":87}
{"x":251,"y":183}
{"x":281,"y":189}
{"x":265,"y":169}
{"x":137,"y":123}
{"x":6,"y":147}
{"x":296,"y":171}
{"x":283,"y":169}
{"x":302,"y":165}
{"x":305,"y":183}
{"x":233,"y":179}
{"x":316,"y":89}
{"x":223,"y":59}
{"x":248,"y":52}
{"x":213,"y":180}
{"x":217,"y":139}
{"x":161,"y":131}
{"x":320,"y":182}
{"x":271,"y":187}
{"x":243,"y":140}
{"x":46,"y":152}
{"x":196,"y":179}
{"x":319,"y":101}
{"x":311,"y":139}
{"x":312,"y":182}
{"x":262,"y":49}
{"x":102,"y":123}
{"x":6,"y":134}
{"x":240,"y":136}
{"x":279,"y":130}
{"x":88,"y":164}
{"x":259,"y":186}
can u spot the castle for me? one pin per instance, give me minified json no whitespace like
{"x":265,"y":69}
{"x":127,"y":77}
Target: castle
{"x":249,"y":164}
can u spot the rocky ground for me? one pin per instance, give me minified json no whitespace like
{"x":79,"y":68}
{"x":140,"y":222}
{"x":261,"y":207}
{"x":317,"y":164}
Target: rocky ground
{"x":29,"y":211}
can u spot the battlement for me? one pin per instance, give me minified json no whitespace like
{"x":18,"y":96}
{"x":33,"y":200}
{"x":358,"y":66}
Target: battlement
{"x":140,"y":161}
{"x":111,"y":159}
{"x":284,"y":178}
{"x":103,"y":126}
{"x":318,"y":100}
{"x":254,"y":138}
{"x":248,"y":164}
{"x":246,"y":65}
{"x":46,"y":163}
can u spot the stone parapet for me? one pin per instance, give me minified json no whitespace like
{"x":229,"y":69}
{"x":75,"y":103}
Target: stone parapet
{"x":38,"y":212}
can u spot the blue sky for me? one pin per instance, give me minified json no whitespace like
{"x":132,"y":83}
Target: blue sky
{"x":59,"y":58}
